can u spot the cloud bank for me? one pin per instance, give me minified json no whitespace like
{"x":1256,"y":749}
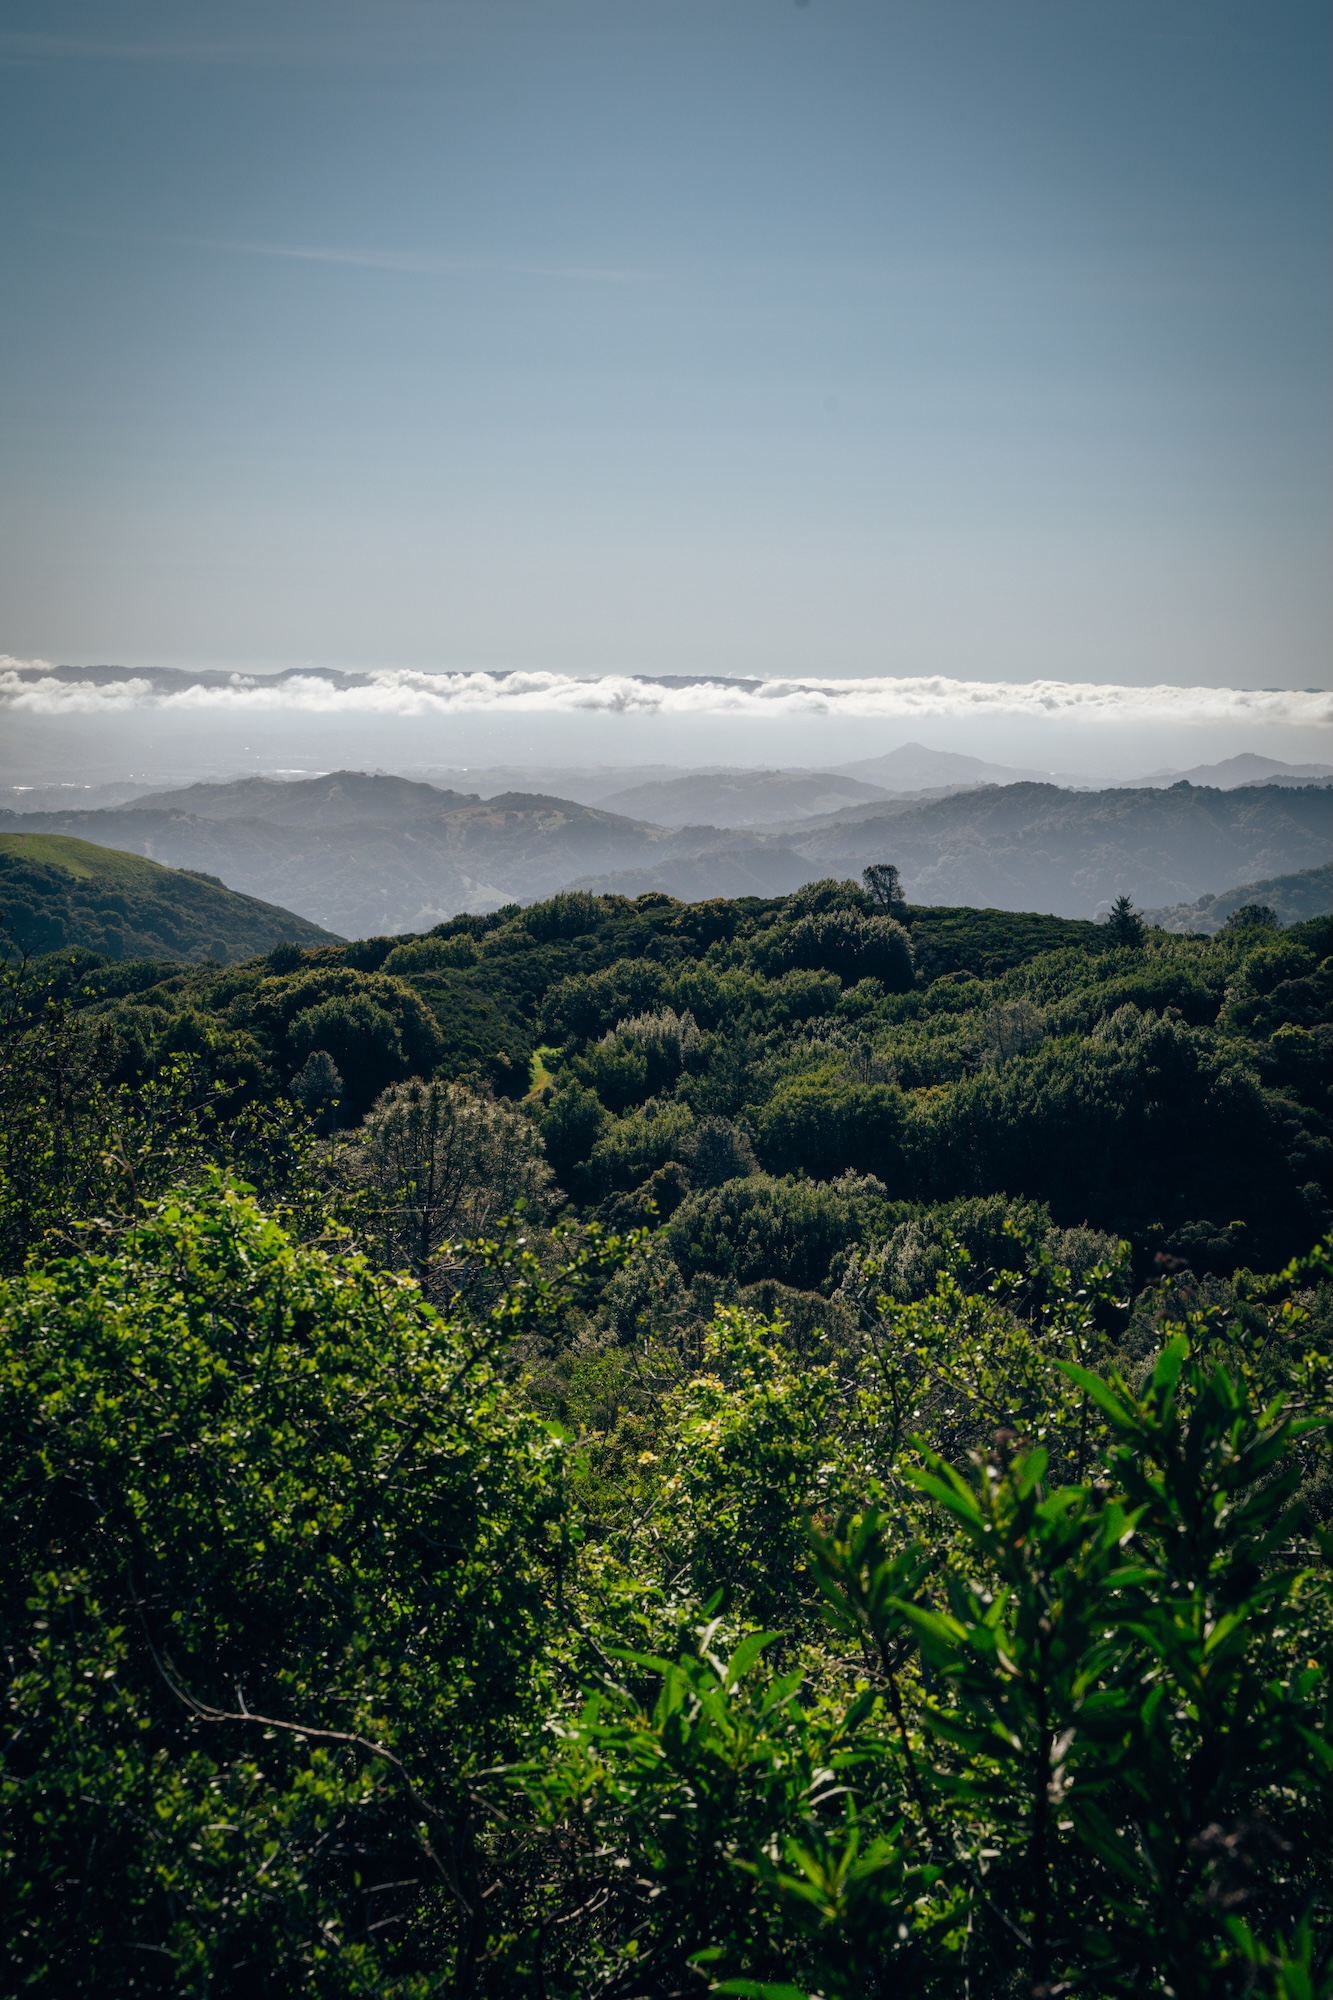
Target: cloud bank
{"x":37,"y":688}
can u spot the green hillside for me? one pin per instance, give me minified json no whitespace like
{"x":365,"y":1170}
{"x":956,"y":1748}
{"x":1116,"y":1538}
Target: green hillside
{"x":56,"y":892}
{"x":850,"y":1075}
{"x":1293,"y":899}
{"x":618,"y":1450}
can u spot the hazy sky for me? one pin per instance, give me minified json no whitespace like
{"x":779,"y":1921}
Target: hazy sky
{"x":983,"y":338}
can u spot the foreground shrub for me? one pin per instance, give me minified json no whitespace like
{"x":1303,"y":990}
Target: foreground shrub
{"x":276,"y":1585}
{"x":961,"y":1658}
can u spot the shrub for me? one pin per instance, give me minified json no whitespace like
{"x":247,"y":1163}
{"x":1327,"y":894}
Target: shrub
{"x":272,"y":1596}
{"x":844,"y":942}
{"x":830,"y":1128}
{"x":433,"y":954}
{"x":634,"y":1147}
{"x":571,"y":914}
{"x":570,"y":1124}
{"x":441,"y":1162}
{"x":762,"y":1227}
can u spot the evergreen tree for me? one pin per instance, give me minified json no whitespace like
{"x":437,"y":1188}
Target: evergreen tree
{"x":1124,"y":924}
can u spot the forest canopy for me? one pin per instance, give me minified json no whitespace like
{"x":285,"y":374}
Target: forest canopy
{"x":634,"y":1449}
{"x":1169,"y":1090}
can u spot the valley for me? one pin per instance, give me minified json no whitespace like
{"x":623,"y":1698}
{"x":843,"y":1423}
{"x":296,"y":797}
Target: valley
{"x":360,"y":853}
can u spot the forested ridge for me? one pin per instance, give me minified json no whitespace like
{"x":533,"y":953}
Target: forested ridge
{"x":55,"y":891}
{"x":362,"y":852}
{"x":639,"y":1448}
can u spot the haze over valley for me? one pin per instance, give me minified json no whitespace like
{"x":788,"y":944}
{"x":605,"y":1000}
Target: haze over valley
{"x":368,"y":853}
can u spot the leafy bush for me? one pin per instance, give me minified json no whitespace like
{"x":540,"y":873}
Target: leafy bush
{"x":1124,"y":1128}
{"x":571,"y":914}
{"x":274,"y":1594}
{"x":718,"y":1151}
{"x":634,"y":1147}
{"x":846,"y":943}
{"x":826,"y":1128}
{"x":439,"y":1163}
{"x":376,"y":1029}
{"x":331,"y":1669}
{"x":764,"y":1227}
{"x":1068,"y":1730}
{"x":432,"y":954}
{"x":570,"y":1125}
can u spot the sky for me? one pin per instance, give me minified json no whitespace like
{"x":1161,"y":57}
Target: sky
{"x":848,"y":339}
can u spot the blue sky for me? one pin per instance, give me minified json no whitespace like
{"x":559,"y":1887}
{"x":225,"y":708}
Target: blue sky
{"x":849,"y":338}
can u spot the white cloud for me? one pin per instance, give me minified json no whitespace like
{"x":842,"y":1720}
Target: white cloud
{"x":35,"y":688}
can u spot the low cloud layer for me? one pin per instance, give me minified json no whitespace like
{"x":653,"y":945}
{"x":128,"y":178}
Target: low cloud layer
{"x":36,"y":688}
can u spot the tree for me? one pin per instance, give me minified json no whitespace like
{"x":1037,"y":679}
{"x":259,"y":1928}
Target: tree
{"x":1124,"y":925}
{"x":719,"y":1151}
{"x":275,"y":1591}
{"x":1013,"y":1029}
{"x":317,"y":1088}
{"x":884,"y":888}
{"x":1252,"y":916}
{"x":364,"y":1037}
{"x":825,"y":1128}
{"x":377,"y":1029}
{"x":844,"y":942}
{"x":760,"y":1227}
{"x":442,"y":1162}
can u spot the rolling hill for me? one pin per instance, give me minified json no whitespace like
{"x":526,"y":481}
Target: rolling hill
{"x":1293,"y":899}
{"x":914,"y":767}
{"x":1023,"y":847}
{"x":56,"y":891}
{"x":1249,"y":768}
{"x":366,"y":854}
{"x":379,"y":854}
{"x":742,"y":798}
{"x":337,"y":798}
{"x":1039,"y":847}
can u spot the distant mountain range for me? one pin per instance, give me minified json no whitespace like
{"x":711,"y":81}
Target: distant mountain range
{"x":1036,"y":847}
{"x":745,"y":798}
{"x":914,"y":768}
{"x":56,"y":891}
{"x":720,"y":795}
{"x":337,"y":798}
{"x":362,"y":854}
{"x":676,"y":795}
{"x":1247,"y":769}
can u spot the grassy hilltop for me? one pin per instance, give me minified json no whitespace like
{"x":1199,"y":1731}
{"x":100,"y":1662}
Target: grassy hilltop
{"x":57,"y":891}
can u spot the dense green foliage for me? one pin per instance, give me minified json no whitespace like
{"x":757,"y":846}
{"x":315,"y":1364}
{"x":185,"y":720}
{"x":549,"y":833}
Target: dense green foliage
{"x":1174,"y":1092}
{"x":55,"y":891}
{"x":864,"y":1574}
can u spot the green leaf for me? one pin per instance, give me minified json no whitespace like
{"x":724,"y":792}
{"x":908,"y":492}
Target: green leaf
{"x":755,"y":1989}
{"x":950,"y":1493}
{"x":1169,"y":1364}
{"x":745,"y":1655}
{"x":1121,"y":1414}
{"x":1097,"y":1832}
{"x":1030,"y":1470}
